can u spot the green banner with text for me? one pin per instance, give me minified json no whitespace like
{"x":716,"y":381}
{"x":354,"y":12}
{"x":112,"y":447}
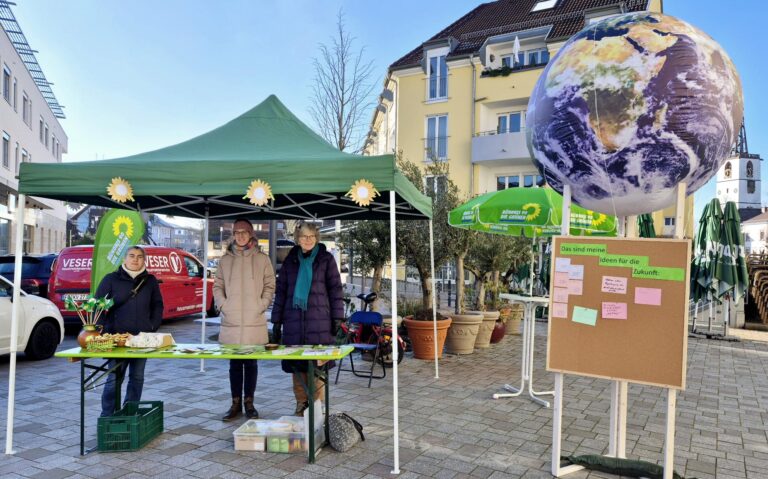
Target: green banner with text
{"x":118,"y":229}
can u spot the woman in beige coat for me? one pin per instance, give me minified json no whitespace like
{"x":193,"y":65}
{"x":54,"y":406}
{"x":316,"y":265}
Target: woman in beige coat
{"x":243,"y":290}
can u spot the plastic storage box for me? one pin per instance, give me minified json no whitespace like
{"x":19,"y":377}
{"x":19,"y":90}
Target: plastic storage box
{"x":283,"y":435}
{"x":131,"y":427}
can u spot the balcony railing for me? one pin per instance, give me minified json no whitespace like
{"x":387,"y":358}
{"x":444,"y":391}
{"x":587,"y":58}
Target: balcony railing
{"x":509,"y":147}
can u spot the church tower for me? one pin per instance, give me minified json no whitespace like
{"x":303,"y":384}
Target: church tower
{"x":738,"y":180}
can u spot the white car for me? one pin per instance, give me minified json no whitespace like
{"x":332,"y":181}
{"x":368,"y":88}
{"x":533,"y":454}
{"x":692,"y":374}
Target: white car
{"x":41,"y":327}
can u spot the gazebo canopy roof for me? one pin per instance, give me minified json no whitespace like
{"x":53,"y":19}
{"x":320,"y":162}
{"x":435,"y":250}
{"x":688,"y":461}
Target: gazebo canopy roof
{"x":308,"y":177}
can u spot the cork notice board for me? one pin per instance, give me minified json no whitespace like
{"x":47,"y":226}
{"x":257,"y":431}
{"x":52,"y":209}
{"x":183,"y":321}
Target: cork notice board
{"x":619,"y":309}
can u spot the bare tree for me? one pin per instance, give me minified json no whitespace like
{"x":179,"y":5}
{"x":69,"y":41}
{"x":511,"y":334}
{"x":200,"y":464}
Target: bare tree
{"x":342,"y":90}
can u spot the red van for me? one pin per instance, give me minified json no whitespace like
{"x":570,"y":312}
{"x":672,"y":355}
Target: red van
{"x":179,"y":273}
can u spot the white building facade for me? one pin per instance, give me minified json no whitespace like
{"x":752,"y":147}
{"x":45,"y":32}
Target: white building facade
{"x":29,"y":131}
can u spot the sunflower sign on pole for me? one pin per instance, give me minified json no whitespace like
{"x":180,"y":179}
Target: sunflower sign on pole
{"x":118,"y":229}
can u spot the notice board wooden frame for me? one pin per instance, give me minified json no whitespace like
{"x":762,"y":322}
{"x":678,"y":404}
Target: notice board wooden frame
{"x":650,"y":346}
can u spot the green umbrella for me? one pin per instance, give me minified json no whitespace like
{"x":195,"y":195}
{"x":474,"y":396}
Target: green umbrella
{"x":731,"y":267}
{"x":529,"y":212}
{"x":645,"y":226}
{"x":703,"y":281}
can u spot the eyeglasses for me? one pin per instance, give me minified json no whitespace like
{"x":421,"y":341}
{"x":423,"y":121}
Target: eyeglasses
{"x":307,"y":237}
{"x":242,"y":233}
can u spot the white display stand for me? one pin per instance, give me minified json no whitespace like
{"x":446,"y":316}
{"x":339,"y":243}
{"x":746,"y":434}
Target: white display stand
{"x":618,"y":422}
{"x":529,"y":330}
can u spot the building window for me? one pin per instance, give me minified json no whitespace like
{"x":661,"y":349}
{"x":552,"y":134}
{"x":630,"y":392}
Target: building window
{"x":438,"y":77}
{"x":510,"y":122}
{"x":750,"y":169}
{"x":42,"y":130}
{"x":16,"y":158}
{"x":750,"y":186}
{"x":15,"y":95}
{"x":7,"y":83}
{"x":436,"y":147}
{"x":45,"y":136}
{"x":514,"y":181}
{"x":436,"y":184}
{"x":544,"y":5}
{"x":669,"y":221}
{"x":24,"y":156}
{"x":527,"y":58}
{"x":6,"y":150}
{"x":762,"y":235}
{"x":26,"y":109}
{"x":727,"y":171}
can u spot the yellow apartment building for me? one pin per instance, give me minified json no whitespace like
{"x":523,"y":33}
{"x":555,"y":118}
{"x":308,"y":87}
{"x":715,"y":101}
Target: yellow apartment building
{"x":462,"y":95}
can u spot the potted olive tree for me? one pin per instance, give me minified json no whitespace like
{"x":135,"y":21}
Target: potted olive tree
{"x":413,"y":246}
{"x":488,"y":258}
{"x":421,"y":329}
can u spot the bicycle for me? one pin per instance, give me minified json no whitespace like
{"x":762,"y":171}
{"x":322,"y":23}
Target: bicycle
{"x":354,"y":334}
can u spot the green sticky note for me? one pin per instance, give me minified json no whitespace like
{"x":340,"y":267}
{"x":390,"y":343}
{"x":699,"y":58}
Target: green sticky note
{"x":659,"y":272}
{"x":578,"y":249}
{"x":584,"y":315}
{"x":622,"y":260}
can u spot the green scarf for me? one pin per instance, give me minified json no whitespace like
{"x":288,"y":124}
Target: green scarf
{"x":304,"y":279}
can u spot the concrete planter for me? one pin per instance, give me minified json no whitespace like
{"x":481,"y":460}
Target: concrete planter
{"x":483,"y":339}
{"x":463,"y":332}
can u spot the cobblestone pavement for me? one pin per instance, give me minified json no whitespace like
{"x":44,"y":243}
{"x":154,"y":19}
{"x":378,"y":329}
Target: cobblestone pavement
{"x":449,"y":427}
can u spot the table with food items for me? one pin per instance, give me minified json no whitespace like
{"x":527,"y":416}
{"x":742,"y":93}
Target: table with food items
{"x":118,"y":347}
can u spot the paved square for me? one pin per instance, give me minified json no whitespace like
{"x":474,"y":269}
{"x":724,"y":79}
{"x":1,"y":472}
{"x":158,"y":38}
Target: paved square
{"x":449,"y":427}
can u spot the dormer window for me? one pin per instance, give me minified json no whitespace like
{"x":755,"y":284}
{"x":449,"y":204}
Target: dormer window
{"x":437,"y":73}
{"x":544,"y":5}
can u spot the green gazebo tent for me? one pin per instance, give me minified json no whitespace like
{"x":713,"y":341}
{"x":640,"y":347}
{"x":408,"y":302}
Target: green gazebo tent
{"x":209,"y":175}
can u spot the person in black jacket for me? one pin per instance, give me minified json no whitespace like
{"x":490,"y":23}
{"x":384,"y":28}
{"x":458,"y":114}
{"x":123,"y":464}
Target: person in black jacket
{"x":309,"y":304}
{"x":138,"y":307}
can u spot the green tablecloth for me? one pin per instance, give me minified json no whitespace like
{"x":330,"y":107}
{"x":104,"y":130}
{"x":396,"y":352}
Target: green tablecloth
{"x":216,"y":351}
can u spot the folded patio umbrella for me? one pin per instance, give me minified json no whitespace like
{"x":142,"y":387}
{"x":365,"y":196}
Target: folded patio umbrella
{"x":730,"y":269}
{"x":705,"y":246}
{"x":645,"y":226}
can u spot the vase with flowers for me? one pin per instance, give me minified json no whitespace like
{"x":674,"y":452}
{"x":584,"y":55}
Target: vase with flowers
{"x":89,"y":311}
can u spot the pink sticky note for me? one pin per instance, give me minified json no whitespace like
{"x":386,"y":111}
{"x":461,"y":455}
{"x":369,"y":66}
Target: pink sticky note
{"x":559,"y":310}
{"x":614,"y":284}
{"x":575,"y":286}
{"x":649,"y":296}
{"x":561,"y":295}
{"x":614,"y":310}
{"x":561,"y":280}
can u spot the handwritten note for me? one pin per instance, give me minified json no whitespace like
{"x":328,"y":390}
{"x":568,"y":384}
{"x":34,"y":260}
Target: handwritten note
{"x":614,"y":284}
{"x":649,"y":296}
{"x":560,"y":295}
{"x":562,"y":265}
{"x":576,"y":271}
{"x":559,"y":310}
{"x":575,"y":286}
{"x":614,"y":310}
{"x":561,"y":279}
{"x":584,"y":315}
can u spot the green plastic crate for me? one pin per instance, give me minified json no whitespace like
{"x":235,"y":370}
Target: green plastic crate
{"x":131,"y":427}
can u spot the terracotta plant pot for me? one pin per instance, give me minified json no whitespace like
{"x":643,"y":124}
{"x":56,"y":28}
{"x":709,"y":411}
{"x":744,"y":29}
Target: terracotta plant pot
{"x":463,"y":332}
{"x":499,"y":330}
{"x":483,"y":339}
{"x":89,"y":330}
{"x":422,"y":335}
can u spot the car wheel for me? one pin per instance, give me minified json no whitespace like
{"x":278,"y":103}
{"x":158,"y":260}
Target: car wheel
{"x":43,"y":341}
{"x":212,"y":312}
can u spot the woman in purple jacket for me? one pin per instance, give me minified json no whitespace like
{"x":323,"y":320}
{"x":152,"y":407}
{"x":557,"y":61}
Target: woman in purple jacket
{"x":309,"y":304}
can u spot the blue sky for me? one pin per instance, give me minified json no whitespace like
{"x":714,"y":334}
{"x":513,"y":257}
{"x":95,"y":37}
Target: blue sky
{"x":139,"y":75}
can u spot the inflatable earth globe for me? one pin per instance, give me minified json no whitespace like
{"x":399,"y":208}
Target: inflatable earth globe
{"x":630,"y":107}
